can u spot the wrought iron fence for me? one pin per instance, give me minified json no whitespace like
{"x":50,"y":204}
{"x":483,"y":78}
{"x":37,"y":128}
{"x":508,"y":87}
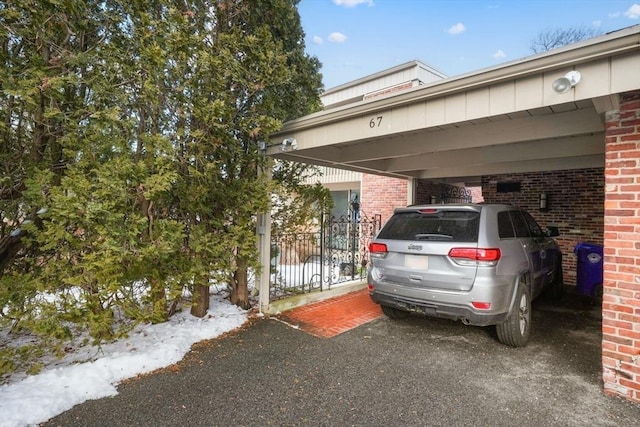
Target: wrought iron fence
{"x":337,"y":252}
{"x":452,"y":194}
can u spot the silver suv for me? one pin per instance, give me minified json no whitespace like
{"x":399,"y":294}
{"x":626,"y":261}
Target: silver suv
{"x":478,"y":263}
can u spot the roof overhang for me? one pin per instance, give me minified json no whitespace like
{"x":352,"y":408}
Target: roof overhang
{"x":504,"y":119}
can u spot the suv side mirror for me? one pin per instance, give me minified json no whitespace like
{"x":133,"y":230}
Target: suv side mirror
{"x":552,"y":231}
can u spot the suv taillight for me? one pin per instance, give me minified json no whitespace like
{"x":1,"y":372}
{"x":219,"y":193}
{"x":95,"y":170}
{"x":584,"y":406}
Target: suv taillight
{"x":378,"y":250}
{"x":475,"y":256}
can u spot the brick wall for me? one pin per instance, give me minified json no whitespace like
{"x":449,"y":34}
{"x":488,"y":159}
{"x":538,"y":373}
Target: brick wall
{"x":381,"y":195}
{"x":426,"y":188}
{"x":576,"y":205}
{"x":575,"y":198}
{"x":476,"y":194}
{"x":621,"y":299}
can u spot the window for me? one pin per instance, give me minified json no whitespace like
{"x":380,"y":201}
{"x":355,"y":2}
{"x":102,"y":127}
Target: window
{"x":519,"y":224}
{"x":508,"y":187}
{"x":343,"y":203}
{"x":536,"y":230}
{"x":505,"y":227}
{"x":441,"y":226}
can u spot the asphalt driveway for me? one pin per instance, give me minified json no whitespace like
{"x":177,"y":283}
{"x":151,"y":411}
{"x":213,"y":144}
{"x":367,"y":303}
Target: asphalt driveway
{"x":414,"y":372}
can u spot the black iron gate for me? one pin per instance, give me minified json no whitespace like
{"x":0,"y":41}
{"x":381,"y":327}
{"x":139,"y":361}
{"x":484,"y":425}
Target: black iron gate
{"x":337,"y":252}
{"x":452,"y":194}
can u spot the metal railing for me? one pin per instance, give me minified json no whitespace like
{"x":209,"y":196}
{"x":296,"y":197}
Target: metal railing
{"x":452,"y":194}
{"x":337,"y":252}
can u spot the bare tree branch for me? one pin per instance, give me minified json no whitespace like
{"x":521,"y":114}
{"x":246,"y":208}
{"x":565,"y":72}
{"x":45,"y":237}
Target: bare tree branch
{"x":552,"y":38}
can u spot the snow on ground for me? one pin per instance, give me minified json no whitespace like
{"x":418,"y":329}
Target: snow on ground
{"x":67,"y":382}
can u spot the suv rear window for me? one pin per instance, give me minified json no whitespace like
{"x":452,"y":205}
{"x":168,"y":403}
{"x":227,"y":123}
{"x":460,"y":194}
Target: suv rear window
{"x":458,"y":226}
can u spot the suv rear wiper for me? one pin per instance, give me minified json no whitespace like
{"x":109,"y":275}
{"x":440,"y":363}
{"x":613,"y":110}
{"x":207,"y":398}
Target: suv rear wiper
{"x":429,"y":236}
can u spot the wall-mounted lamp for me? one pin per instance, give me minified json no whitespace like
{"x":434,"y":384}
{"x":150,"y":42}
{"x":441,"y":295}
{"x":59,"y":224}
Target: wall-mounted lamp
{"x":289,"y":144}
{"x":544,"y":202}
{"x":564,"y":84}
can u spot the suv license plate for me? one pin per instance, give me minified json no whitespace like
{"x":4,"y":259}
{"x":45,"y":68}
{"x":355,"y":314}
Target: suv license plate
{"x":416,"y":262}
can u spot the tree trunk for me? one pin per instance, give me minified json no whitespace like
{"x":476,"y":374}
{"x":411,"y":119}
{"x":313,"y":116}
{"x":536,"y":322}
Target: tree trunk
{"x":9,"y":248}
{"x":240,"y":292}
{"x":200,"y":303}
{"x":159,"y":301}
{"x":12,"y":244}
{"x":158,"y":293}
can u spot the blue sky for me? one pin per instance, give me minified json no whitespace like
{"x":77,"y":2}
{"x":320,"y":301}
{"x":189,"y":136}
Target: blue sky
{"x":355,"y":38}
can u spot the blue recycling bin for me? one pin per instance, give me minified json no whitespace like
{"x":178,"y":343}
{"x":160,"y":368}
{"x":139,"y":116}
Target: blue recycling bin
{"x":589,"y":268}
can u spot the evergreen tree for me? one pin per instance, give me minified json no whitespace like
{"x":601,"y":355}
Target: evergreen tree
{"x":253,"y":75}
{"x":89,"y":166}
{"x":130,"y":153}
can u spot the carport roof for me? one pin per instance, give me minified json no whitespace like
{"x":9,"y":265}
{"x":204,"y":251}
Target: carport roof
{"x":504,"y":119}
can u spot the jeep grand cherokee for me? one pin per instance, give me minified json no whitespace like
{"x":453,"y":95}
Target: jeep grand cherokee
{"x":478,"y":263}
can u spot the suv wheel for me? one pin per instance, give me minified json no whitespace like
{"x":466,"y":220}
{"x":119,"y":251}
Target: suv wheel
{"x":394,"y":313}
{"x":516,"y":329}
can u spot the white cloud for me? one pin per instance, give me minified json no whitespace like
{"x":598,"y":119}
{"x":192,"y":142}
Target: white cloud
{"x":597,"y":24}
{"x":614,"y":15}
{"x":337,"y":37}
{"x":352,"y":3}
{"x":633,"y":12}
{"x":457,"y":29}
{"x":317,"y":40}
{"x":499,"y":54}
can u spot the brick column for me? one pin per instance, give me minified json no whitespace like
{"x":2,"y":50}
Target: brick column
{"x":621,"y":300}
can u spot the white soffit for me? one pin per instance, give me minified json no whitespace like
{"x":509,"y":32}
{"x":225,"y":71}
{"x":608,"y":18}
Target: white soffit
{"x":510,"y":104}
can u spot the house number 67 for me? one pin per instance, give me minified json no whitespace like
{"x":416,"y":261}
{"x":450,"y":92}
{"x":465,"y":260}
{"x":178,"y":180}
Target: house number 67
{"x":375,"y":122}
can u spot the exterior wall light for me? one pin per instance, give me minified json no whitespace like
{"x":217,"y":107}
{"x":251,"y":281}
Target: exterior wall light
{"x":564,"y":84}
{"x":544,"y":202}
{"x":289,"y":144}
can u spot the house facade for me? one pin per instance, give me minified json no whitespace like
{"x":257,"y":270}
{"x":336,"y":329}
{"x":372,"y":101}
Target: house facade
{"x":522,"y":130}
{"x":375,"y":194}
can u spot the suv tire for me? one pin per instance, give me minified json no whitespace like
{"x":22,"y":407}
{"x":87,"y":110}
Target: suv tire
{"x":516,"y":329}
{"x":394,"y":313}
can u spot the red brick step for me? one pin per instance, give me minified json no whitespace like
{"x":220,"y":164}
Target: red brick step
{"x":331,"y":317}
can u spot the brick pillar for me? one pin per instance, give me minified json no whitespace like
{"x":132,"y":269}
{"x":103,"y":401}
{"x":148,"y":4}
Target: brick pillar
{"x":381,"y":195}
{"x":621,"y":300}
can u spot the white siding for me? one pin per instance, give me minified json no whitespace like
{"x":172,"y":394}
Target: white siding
{"x":333,"y":176}
{"x":393,"y":80}
{"x":407,"y":75}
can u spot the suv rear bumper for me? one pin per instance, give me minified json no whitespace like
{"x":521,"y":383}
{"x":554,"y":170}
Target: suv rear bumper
{"x":465,"y":314}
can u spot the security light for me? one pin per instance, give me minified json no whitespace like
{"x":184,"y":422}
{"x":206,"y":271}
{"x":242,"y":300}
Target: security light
{"x":564,"y":84}
{"x":289,"y":144}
